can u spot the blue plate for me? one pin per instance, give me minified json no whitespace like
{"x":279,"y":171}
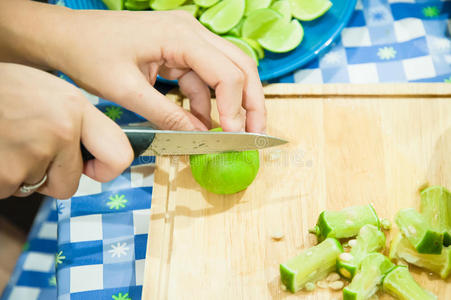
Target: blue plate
{"x":318,"y":35}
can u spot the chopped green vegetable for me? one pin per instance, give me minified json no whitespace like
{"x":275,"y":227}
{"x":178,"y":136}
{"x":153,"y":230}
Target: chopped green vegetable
{"x":370,"y":239}
{"x":436,"y":207}
{"x":345,"y":223}
{"x":419,"y":232}
{"x":310,"y":265}
{"x":400,"y":284}
{"x":438,"y":263}
{"x":368,"y":278}
{"x":223,"y":16}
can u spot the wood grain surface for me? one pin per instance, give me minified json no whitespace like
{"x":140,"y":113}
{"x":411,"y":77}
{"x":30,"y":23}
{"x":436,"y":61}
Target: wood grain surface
{"x":349,"y":145}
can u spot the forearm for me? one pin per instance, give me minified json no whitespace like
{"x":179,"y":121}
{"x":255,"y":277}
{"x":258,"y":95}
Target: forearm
{"x":31,"y":33}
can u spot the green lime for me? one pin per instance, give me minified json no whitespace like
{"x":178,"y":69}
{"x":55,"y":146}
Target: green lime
{"x":135,"y":5}
{"x":114,"y":4}
{"x":307,"y":10}
{"x":283,"y":36}
{"x":223,"y":16}
{"x":256,"y":46}
{"x":225,"y":173}
{"x":236,"y":30}
{"x":165,"y":4}
{"x":191,"y":8}
{"x":205,"y":3}
{"x":252,"y":5}
{"x":259,"y":22}
{"x":283,"y":7}
{"x":243,"y":45}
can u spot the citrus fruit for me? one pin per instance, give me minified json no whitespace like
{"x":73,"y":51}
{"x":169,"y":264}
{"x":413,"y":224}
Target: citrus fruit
{"x":165,"y":4}
{"x":225,"y":173}
{"x":256,"y":46}
{"x":191,"y":8}
{"x":205,"y":3}
{"x":252,"y":5}
{"x":283,"y":36}
{"x":259,"y":22}
{"x":307,"y":10}
{"x":243,"y":45}
{"x":223,"y":16}
{"x":283,"y":7}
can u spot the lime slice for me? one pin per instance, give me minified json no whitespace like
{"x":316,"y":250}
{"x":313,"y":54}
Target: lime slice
{"x":259,"y":22}
{"x":165,"y":4}
{"x":135,"y":5}
{"x":283,"y":7}
{"x":236,"y":30}
{"x":223,"y":16}
{"x":243,"y":45}
{"x":114,"y":4}
{"x":252,"y":5}
{"x":283,"y":36}
{"x":191,"y":8}
{"x":205,"y":3}
{"x":256,"y":46}
{"x":307,"y":10}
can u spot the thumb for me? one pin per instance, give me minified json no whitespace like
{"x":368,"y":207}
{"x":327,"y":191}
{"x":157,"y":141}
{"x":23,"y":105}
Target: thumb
{"x":136,"y":94}
{"x":107,"y":143}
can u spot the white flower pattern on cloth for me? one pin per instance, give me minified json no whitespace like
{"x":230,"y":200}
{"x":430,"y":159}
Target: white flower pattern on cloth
{"x":118,"y":249}
{"x":332,"y":58}
{"x":386,"y":53}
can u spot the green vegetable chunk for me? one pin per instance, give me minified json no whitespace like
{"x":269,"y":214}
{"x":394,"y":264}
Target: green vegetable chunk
{"x":401,"y":285}
{"x":345,"y":223}
{"x":310,"y":265}
{"x":438,"y":263}
{"x":370,"y":239}
{"x":436,"y":208}
{"x":368,"y":278}
{"x":419,"y":232}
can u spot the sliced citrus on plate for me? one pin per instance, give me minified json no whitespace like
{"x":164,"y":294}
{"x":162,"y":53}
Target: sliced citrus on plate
{"x":307,"y":10}
{"x":223,"y":16}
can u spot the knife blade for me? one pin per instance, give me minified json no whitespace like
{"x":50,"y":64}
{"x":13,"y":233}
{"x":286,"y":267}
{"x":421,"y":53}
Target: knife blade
{"x":146,"y":140}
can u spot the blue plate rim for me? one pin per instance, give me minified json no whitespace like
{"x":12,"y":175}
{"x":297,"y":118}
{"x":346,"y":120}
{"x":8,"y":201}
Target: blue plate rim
{"x":301,"y":62}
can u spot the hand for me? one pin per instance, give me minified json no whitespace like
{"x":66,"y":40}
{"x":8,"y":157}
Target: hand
{"x":117,"y":56}
{"x":42,"y":120}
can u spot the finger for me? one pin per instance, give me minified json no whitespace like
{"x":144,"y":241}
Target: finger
{"x":63,"y":174}
{"x":12,"y":174}
{"x":107,"y":143}
{"x":35,"y":175}
{"x":199,"y":95}
{"x":172,"y":73}
{"x":253,"y":96}
{"x":138,"y":95}
{"x":220,"y":73}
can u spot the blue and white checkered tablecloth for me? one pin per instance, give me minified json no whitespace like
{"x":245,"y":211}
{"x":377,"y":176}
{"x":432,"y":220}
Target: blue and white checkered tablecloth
{"x":95,"y":242}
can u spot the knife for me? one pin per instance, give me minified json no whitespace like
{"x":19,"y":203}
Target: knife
{"x":146,"y":140}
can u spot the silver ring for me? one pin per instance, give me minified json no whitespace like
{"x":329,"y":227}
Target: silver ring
{"x":30,"y":188}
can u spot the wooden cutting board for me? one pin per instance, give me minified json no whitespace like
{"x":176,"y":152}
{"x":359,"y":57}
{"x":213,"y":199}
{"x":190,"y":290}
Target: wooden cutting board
{"x":349,"y":145}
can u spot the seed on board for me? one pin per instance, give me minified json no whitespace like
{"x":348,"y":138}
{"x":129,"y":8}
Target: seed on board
{"x":310,"y":286}
{"x":346,"y":256}
{"x":277,"y":236}
{"x":332,"y":277}
{"x":345,"y":273}
{"x":352,"y":242}
{"x":322,"y":284}
{"x":336,"y":285}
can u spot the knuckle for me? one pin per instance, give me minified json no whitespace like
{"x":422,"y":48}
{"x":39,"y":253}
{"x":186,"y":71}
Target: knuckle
{"x":40,"y":152}
{"x":235,"y":77}
{"x":176,"y":120}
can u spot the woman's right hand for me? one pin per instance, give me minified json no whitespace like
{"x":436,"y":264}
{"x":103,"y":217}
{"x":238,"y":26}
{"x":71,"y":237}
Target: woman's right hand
{"x":42,"y":121}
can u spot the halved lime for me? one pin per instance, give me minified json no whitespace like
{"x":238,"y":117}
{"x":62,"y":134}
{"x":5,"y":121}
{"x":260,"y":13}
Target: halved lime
{"x":205,"y":3}
{"x":114,"y":4}
{"x":165,"y":4}
{"x":252,"y":5}
{"x":283,"y":7}
{"x":223,"y":16}
{"x":191,"y":8}
{"x":243,"y":45}
{"x":236,"y":30}
{"x":283,"y":36}
{"x":256,"y":46}
{"x":259,"y":22}
{"x":307,"y":10}
{"x":135,"y":5}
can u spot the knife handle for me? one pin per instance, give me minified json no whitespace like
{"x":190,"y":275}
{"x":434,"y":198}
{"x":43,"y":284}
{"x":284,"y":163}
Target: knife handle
{"x":140,"y":138}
